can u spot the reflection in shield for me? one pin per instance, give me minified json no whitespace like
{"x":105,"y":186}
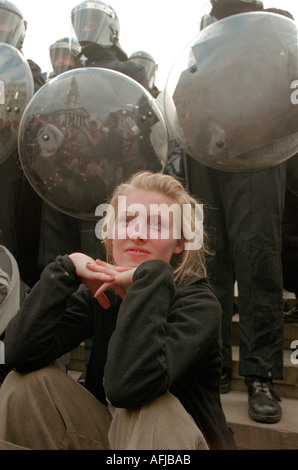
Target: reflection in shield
{"x":16,"y":89}
{"x":228,"y":96}
{"x":84,"y":132}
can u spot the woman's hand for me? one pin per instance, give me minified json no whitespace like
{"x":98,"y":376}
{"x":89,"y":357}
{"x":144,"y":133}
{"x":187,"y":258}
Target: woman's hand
{"x":92,"y":278}
{"x":119,"y":278}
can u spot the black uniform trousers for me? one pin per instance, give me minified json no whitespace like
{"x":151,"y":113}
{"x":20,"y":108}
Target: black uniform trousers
{"x":10,"y":190}
{"x":243,"y":219}
{"x":290,"y":242}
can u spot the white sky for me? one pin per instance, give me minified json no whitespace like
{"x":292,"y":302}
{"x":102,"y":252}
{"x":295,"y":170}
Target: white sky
{"x":161,"y":27}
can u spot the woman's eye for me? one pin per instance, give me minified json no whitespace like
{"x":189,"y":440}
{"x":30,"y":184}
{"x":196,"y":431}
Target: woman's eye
{"x":155,"y":223}
{"x":124,"y":220}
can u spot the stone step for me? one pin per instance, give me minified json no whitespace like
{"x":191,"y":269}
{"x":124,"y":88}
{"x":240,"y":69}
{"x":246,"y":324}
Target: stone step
{"x":250,"y":435}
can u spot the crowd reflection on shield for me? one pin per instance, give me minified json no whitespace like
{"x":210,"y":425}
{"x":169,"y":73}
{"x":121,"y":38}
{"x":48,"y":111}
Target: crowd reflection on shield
{"x":16,"y":89}
{"x":84,"y":132}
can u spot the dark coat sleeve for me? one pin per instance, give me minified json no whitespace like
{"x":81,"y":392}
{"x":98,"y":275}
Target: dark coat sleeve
{"x":38,"y":78}
{"x":53,"y":319}
{"x":159,"y":335}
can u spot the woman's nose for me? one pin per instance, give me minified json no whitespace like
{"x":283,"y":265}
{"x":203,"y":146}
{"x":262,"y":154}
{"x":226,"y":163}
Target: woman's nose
{"x":138,"y":234}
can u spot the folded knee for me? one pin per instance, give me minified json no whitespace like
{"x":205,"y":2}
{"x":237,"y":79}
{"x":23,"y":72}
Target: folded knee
{"x":17,"y":382}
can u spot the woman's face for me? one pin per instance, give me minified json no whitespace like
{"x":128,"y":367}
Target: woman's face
{"x":143,"y":232}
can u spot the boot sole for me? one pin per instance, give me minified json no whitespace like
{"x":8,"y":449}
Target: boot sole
{"x":264,"y":419}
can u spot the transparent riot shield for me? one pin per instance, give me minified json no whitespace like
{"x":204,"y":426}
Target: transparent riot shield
{"x":230,"y":98}
{"x":16,"y":89}
{"x":86,"y":131}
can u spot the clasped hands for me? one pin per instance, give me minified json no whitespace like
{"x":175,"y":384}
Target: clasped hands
{"x":99,"y":276}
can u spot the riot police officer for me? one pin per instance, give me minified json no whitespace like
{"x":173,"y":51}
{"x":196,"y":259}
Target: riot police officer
{"x":96,"y":26}
{"x":19,"y":204}
{"x":243,"y":216}
{"x":148,"y":62}
{"x":65,"y":55}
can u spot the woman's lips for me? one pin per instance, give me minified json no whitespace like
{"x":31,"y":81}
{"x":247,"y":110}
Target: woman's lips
{"x":137,"y":251}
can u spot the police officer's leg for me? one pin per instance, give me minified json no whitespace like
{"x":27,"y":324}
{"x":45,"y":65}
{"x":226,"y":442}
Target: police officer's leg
{"x":290,"y":251}
{"x":254,"y":221}
{"x":10,"y":187}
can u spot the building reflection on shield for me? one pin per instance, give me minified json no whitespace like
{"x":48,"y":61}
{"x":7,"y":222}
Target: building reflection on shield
{"x":75,"y":152}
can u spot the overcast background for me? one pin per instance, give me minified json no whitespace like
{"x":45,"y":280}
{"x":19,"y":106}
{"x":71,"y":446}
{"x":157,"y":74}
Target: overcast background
{"x":161,"y":27}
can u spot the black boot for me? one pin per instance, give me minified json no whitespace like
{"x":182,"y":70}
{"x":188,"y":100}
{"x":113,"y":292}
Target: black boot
{"x":263,"y":405}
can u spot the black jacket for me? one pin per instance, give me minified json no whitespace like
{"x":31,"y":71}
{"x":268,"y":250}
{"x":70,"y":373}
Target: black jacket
{"x":38,"y":78}
{"x":159,"y":338}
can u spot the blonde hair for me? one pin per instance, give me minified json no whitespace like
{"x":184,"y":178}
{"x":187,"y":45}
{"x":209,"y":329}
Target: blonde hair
{"x":186,"y":264}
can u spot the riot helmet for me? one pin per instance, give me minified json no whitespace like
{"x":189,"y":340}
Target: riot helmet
{"x":95,"y":22}
{"x":149,"y":64}
{"x":65,"y":54}
{"x":12,"y":25}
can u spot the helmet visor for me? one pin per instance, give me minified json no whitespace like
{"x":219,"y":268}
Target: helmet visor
{"x":12,"y":28}
{"x":149,"y":66}
{"x":62,"y":60}
{"x":94,"y":25}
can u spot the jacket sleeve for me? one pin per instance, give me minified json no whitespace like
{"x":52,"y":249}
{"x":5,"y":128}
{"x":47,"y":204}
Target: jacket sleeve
{"x":159,"y":335}
{"x":52,"y":320}
{"x":38,"y":78}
